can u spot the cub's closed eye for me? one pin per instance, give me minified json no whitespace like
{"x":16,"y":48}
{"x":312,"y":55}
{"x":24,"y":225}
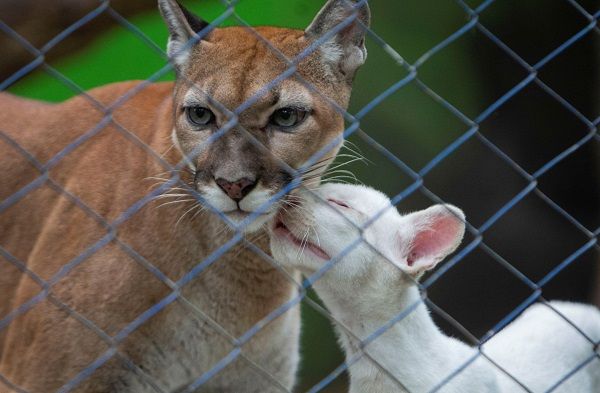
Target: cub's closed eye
{"x":199,"y":116}
{"x":339,"y":203}
{"x":288,"y":117}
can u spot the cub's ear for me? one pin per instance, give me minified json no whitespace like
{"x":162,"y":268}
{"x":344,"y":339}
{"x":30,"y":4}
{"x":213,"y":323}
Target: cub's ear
{"x":345,"y":51}
{"x":183,"y":26}
{"x":432,"y":235}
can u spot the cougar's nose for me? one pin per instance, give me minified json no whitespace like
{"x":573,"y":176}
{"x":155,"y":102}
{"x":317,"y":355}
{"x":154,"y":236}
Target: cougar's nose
{"x":238,"y":189}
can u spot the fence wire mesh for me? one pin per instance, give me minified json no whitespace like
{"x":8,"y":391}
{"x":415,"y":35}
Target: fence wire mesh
{"x":113,"y":340}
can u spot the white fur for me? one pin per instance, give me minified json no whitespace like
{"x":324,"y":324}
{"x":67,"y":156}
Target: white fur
{"x":331,"y":51}
{"x":541,"y":347}
{"x":179,"y":52}
{"x":179,"y":45}
{"x":295,"y":94}
{"x":373,"y":284}
{"x":195,"y":96}
{"x":258,"y":198}
{"x":344,"y":50}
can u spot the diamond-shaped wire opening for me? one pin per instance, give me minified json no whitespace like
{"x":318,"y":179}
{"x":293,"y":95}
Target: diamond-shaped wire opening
{"x":488,"y":283}
{"x":536,"y":129}
{"x":417,"y":127}
{"x":575,"y":173}
{"x":532,"y":42}
{"x":575,"y":92}
{"x":546,"y":248}
{"x":468,"y":88}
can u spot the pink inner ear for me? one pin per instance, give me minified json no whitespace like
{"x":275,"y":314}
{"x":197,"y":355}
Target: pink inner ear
{"x":435,"y":240}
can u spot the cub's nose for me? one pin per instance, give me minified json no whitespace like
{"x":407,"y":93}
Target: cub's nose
{"x":238,"y":189}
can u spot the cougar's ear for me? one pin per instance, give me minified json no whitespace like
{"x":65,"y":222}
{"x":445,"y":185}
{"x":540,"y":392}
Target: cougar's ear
{"x":432,"y":235}
{"x":345,"y":50}
{"x":183,"y":26}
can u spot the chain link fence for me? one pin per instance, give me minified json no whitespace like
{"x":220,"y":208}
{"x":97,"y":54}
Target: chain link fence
{"x":176,"y":288}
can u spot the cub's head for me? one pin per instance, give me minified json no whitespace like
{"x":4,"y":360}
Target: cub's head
{"x":360,"y":226}
{"x":244,"y":119}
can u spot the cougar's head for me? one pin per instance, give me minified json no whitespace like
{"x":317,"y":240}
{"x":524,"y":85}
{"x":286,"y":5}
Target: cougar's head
{"x":256,"y":108}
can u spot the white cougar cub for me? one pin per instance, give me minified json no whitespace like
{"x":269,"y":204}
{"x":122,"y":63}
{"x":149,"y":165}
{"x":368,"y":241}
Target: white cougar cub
{"x":375,"y":282}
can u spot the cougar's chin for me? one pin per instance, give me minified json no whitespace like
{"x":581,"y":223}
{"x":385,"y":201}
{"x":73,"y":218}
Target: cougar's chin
{"x":248,"y":222}
{"x":248,"y":215}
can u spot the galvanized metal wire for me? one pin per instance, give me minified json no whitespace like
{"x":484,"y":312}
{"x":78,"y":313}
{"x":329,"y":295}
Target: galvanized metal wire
{"x":353,"y":119}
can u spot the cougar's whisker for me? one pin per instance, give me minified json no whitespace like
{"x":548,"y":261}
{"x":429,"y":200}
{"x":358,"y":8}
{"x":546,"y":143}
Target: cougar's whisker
{"x":167,"y":151}
{"x":185,"y":213}
{"x":342,"y":164}
{"x":313,"y":169}
{"x":163,"y":196}
{"x":203,"y":208}
{"x":353,"y":148}
{"x":174,"y":202}
{"x":339,"y":171}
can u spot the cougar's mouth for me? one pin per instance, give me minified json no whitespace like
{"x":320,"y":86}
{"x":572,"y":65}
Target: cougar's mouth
{"x":282,"y":231}
{"x":239,"y":213}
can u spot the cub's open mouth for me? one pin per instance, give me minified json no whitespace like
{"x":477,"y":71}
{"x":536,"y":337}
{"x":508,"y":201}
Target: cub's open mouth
{"x":281,"y":230}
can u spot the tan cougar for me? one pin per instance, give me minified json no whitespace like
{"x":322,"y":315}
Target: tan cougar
{"x":240,"y":136}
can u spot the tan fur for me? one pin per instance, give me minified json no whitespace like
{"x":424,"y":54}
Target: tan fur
{"x":45,"y":347}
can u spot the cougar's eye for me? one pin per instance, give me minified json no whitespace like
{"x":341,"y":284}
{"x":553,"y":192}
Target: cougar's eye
{"x":199,"y":116}
{"x":287,"y":117}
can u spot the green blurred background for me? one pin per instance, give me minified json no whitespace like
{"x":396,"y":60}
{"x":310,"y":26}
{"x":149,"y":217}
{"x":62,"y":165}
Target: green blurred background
{"x":470,"y":74}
